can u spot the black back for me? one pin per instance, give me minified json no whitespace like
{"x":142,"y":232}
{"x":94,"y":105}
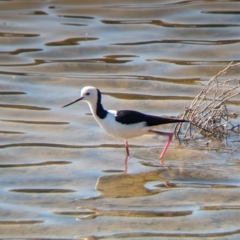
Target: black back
{"x":131,"y":117}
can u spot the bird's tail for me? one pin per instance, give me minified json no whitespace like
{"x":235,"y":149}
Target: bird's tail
{"x":172,"y":120}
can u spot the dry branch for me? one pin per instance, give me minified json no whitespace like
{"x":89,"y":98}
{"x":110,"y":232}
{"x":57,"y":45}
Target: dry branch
{"x":208,"y":113}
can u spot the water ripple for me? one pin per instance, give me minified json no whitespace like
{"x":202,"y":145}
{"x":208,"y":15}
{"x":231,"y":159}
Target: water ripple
{"x":192,"y":62}
{"x":44,"y":190}
{"x":71,"y":41}
{"x":11,"y":93}
{"x":167,"y":24}
{"x":47,"y":163}
{"x":76,"y":16}
{"x":20,"y":222}
{"x":222,"y":12}
{"x":182,"y":235}
{"x":11,"y":132}
{"x":182,"y":41}
{"x":37,"y":12}
{"x":9,"y":34}
{"x":94,"y":212}
{"x":105,"y":59}
{"x":34,"y":122}
{"x":134,"y":96}
{"x":55,"y":145}
{"x":35,"y":62}
{"x":22,"y":50}
{"x":26,"y":107}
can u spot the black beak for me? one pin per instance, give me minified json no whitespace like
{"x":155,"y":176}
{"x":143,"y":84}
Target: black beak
{"x":79,"y":99}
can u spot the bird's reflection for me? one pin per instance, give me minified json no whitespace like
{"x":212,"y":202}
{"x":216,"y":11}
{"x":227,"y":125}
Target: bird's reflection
{"x":128,"y":185}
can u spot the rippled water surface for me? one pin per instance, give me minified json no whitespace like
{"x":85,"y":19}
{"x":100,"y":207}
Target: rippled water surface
{"x":61,"y":175}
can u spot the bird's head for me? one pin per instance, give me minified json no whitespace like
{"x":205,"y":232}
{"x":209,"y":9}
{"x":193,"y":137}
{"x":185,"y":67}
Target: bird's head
{"x":88,"y":94}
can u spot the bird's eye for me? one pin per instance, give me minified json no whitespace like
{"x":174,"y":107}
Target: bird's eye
{"x":87,"y":93}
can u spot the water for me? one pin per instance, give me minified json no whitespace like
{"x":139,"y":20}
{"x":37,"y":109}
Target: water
{"x":61,"y":175}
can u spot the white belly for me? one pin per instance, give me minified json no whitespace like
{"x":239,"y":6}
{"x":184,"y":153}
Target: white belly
{"x":123,"y":131}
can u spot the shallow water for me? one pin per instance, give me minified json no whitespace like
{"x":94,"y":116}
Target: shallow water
{"x":61,"y":175}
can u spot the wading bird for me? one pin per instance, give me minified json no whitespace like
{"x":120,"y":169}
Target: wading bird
{"x":124,"y":124}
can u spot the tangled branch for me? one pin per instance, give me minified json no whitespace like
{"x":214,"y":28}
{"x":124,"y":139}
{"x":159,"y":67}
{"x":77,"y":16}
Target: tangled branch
{"x":208,"y":113}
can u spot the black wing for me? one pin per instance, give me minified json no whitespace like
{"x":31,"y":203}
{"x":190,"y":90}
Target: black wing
{"x":131,"y":117}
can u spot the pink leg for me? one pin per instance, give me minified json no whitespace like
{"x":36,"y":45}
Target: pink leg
{"x":126,"y":146}
{"x":170,"y":136}
{"x":126,"y":158}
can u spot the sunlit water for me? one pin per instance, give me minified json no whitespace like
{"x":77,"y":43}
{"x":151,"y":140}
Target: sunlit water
{"x":61,"y":175}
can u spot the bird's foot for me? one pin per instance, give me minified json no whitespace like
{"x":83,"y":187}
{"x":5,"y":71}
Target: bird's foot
{"x":166,"y":184}
{"x":161,"y":162}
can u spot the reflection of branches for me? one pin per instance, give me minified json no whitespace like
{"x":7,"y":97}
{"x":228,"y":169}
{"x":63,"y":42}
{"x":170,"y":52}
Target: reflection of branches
{"x":208,"y":114}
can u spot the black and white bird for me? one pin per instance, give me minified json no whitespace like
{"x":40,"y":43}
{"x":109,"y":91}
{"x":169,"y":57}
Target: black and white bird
{"x":124,"y":124}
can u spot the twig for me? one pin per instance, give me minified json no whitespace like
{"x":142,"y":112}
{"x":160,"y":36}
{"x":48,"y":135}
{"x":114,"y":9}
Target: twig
{"x":208,"y":113}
